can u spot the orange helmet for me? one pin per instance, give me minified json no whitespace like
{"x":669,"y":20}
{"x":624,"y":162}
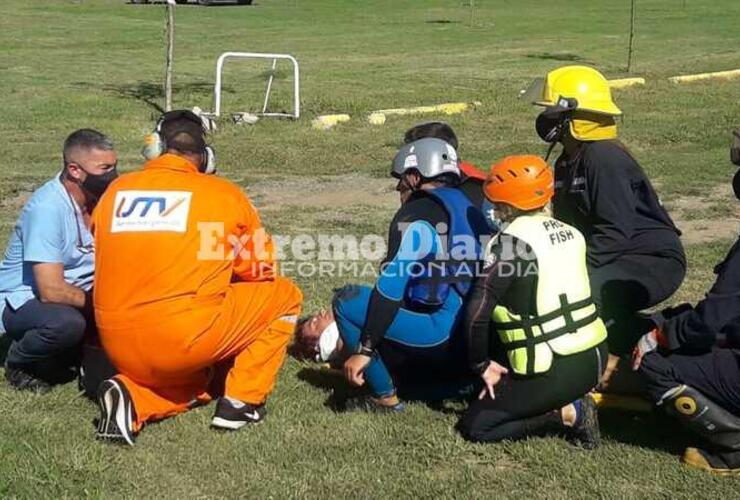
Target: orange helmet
{"x":522,"y":181}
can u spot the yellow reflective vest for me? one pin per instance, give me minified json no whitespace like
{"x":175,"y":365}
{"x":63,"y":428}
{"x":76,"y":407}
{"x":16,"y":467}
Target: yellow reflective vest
{"x":567,"y":321}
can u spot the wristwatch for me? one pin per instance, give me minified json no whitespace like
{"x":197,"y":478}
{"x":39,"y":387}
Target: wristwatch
{"x":364,"y":350}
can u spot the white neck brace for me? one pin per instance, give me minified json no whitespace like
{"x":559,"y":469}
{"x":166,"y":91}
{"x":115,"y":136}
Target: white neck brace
{"x":328,"y":343}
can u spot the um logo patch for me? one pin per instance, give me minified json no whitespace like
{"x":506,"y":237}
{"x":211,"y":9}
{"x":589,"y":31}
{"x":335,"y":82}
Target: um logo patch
{"x":151,"y":211}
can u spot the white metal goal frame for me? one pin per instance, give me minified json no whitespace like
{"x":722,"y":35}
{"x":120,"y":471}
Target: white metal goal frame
{"x":259,"y":55}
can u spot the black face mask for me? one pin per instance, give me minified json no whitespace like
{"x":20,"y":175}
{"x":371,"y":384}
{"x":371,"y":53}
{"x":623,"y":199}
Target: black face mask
{"x":549,"y":128}
{"x":736,"y":184}
{"x":97,"y":184}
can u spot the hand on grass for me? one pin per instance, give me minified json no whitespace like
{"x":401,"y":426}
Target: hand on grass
{"x":354,"y":369}
{"x":491,"y":376}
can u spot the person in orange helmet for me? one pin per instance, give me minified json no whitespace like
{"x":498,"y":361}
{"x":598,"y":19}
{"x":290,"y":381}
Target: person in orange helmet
{"x":186,"y":289}
{"x":549,"y":345}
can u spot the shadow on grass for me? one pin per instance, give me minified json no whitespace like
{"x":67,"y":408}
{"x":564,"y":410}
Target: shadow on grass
{"x":149,"y":93}
{"x":557,"y":56}
{"x":191,"y":3}
{"x":442,"y":21}
{"x":646,"y":430}
{"x":321,"y":378}
{"x":333,"y":383}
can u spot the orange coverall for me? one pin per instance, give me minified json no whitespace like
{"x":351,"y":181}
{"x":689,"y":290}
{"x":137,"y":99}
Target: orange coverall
{"x":185,"y":284}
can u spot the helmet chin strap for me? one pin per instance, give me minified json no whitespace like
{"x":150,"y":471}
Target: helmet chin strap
{"x":549,"y":150}
{"x":554,"y":135}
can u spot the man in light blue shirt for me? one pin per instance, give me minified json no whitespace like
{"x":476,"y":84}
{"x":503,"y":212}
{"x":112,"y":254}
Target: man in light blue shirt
{"x":46,"y":274}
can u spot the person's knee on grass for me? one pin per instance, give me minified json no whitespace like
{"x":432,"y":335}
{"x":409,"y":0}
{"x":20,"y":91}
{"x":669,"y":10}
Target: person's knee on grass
{"x":690,"y":363}
{"x":209,"y":300}
{"x":534,"y":295}
{"x":48,"y":270}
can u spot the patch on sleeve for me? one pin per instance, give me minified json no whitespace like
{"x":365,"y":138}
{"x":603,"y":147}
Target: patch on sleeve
{"x":138,"y":211}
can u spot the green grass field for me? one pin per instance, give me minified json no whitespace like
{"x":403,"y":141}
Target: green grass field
{"x":67,"y":64}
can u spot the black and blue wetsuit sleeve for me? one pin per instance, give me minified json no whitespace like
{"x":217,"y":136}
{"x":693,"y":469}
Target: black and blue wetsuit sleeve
{"x":698,"y":327}
{"x":413,"y":238}
{"x":488,"y":290}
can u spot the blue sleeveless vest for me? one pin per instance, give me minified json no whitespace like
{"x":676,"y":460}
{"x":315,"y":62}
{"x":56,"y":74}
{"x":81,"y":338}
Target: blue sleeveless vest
{"x":432,"y":287}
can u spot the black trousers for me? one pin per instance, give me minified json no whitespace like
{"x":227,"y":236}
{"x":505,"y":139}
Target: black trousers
{"x":628,"y":285}
{"x":44,"y":333}
{"x":716,"y":374}
{"x":96,"y":366}
{"x":429,"y":373}
{"x":529,"y":406}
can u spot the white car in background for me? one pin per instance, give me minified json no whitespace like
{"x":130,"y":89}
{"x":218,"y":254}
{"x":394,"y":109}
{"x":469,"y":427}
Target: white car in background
{"x":205,"y":2}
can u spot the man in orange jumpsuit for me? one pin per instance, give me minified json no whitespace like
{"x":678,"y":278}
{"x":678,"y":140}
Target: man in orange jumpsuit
{"x":185,"y":289}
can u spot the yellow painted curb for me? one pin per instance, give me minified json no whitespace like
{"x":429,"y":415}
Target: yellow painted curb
{"x":326,"y":122}
{"x":449,"y":108}
{"x":626,"y":82}
{"x":734,"y":73}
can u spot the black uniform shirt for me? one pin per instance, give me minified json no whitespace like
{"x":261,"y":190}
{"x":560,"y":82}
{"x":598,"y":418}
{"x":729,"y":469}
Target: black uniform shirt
{"x":605,"y":194}
{"x":718,"y":313}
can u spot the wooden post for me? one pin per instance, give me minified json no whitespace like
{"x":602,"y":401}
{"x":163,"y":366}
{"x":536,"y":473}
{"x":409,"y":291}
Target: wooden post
{"x":170,"y":29}
{"x":632,"y":36}
{"x":472,"y":13}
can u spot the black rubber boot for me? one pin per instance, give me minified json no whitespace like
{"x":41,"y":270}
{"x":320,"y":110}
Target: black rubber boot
{"x":719,"y":427}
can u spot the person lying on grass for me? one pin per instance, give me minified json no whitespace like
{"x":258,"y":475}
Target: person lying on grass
{"x":404,"y":327}
{"x":317,"y":339}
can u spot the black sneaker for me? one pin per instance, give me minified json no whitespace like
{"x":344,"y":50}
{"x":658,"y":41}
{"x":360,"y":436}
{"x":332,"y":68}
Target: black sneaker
{"x":371,"y":405}
{"x":231,"y":418}
{"x":116,"y":422}
{"x":585,"y":432}
{"x":21,"y":380}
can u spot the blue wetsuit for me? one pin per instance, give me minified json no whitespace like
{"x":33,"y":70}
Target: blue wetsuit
{"x":408,"y":320}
